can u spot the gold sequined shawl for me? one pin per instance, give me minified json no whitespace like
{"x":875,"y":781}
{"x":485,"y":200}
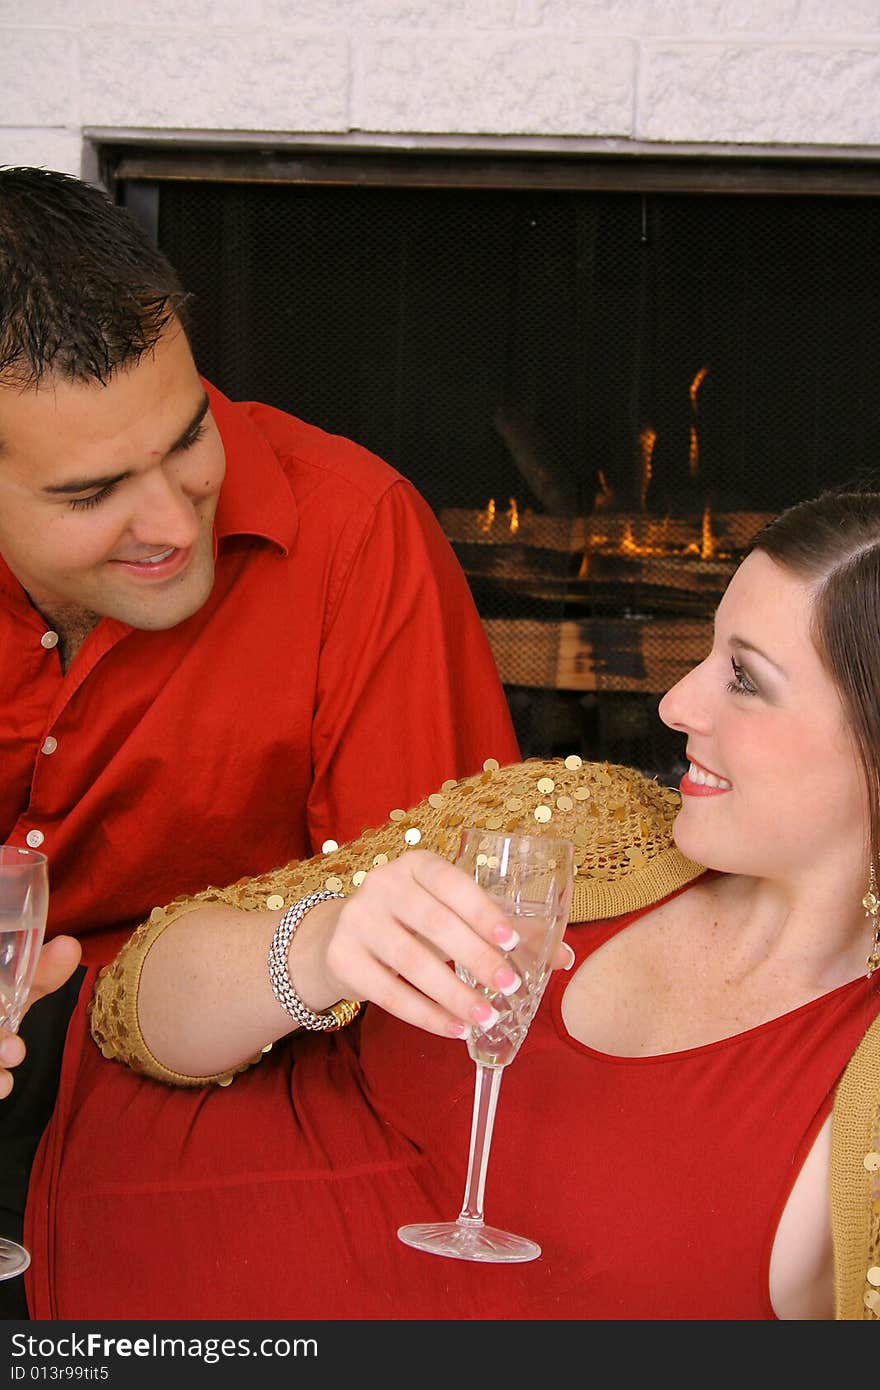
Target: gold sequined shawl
{"x":855,"y":1183}
{"x":619,"y":821}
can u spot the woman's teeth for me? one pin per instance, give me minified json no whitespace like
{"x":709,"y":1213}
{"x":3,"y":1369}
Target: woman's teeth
{"x":706,"y":779}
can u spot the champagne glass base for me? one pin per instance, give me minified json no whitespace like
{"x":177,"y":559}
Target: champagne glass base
{"x":460,"y":1241}
{"x":14,"y":1259}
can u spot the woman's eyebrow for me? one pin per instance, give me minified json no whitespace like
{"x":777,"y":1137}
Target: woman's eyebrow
{"x":743,"y":644}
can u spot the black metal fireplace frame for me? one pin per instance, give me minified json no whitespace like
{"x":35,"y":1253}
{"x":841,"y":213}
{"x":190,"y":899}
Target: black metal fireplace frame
{"x":619,"y":725}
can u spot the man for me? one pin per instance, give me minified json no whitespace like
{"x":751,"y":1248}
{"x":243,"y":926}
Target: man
{"x":226,"y":637}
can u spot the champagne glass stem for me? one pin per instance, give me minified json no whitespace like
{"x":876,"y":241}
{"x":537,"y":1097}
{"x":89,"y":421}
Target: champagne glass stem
{"x":486,"y":1086}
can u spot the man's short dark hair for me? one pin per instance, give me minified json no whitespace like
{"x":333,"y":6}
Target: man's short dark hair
{"x":83,"y":288}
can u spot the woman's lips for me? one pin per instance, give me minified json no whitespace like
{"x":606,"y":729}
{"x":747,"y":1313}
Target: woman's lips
{"x":161,"y":565}
{"x":699,"y":781}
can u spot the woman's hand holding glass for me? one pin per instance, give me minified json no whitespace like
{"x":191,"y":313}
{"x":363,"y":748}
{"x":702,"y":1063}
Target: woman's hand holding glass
{"x":394,"y":940}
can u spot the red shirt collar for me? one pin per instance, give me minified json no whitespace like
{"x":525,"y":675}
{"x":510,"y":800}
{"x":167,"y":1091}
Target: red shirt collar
{"x":256,"y":498}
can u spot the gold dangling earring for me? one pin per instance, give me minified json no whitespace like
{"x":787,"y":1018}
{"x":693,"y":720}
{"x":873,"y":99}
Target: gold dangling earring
{"x":871,"y":904}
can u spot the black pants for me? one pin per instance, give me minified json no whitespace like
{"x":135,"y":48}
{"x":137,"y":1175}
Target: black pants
{"x":25,"y":1114}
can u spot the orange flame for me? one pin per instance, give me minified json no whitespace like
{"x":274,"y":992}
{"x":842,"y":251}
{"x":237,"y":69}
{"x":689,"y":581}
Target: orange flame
{"x":694,"y":447}
{"x":486,"y":518}
{"x":647,"y":440}
{"x":512,"y":516}
{"x":604,"y":495}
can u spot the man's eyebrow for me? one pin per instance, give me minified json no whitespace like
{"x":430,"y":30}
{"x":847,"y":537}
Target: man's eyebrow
{"x":88,"y":484}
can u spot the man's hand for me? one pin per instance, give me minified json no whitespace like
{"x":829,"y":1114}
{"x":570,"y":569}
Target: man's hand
{"x":58,"y":960}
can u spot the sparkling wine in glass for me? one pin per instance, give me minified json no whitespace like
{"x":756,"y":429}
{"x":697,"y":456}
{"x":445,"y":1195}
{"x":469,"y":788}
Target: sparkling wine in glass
{"x":24,"y":903}
{"x":531,"y":876}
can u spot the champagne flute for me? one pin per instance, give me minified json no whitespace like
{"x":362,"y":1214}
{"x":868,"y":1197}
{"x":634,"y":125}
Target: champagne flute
{"x":532,"y":877}
{"x":24,"y":903}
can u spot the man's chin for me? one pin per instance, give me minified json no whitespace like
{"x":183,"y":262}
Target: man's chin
{"x":160,"y":612}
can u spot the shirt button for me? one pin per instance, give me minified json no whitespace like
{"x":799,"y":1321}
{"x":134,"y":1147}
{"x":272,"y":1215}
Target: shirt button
{"x":49,"y":744}
{"x":35,"y":838}
{"x":49,"y":639}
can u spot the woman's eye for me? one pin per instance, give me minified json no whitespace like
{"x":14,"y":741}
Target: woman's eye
{"x":742,"y":683}
{"x":80,"y":503}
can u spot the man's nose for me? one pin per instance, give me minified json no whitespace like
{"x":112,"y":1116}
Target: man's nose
{"x":164,"y":512}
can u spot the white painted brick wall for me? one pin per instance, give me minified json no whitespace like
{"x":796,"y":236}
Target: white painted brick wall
{"x":700,"y":72}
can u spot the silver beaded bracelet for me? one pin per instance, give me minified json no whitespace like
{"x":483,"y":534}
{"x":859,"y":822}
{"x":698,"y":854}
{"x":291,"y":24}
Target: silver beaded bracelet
{"x":343,"y":1012}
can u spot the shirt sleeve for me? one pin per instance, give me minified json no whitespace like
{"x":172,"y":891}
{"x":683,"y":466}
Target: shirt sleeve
{"x":408,"y":693}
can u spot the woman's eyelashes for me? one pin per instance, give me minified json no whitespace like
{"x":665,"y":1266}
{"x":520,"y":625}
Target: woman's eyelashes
{"x":742,"y":683}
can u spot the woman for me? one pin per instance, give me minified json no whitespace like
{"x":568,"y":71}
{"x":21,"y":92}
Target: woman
{"x":666,"y":1130}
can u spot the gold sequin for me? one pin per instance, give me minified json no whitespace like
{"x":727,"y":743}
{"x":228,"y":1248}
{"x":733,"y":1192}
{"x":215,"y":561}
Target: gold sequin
{"x":573,"y":762}
{"x":448,"y":784}
{"x":436,"y":800}
{"x":397,"y":814}
{"x":546,"y":785}
{"x":224,"y":1080}
{"x":274,"y":902}
{"x":564,"y":803}
{"x":494,"y":822}
{"x":543,"y":814}
{"x":157,"y":914}
{"x":482,"y":859}
{"x":872,"y":1162}
{"x":329,"y":846}
{"x":491,"y":765}
{"x":379,"y":859}
{"x":872,"y":1300}
{"x":873,"y":1276}
{"x":513,"y":803}
{"x":358,"y":878}
{"x":582,"y":793}
{"x":333,"y":884}
{"x":413,"y":835}
{"x":267,"y":1048}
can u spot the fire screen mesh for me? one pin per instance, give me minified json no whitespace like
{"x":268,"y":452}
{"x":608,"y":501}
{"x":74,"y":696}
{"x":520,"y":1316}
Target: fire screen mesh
{"x":600,"y":395}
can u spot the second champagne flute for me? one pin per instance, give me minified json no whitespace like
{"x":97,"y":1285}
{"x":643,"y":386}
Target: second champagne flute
{"x":532,"y":877}
{"x":24,"y":904}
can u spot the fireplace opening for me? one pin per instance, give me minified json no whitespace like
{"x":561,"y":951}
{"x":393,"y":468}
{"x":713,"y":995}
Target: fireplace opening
{"x":601,"y":391}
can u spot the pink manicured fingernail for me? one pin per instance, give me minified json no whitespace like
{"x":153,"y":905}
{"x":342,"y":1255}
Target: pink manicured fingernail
{"x":458,"y":1030}
{"x":506,"y":980}
{"x":566,"y":965}
{"x":485,"y":1015}
{"x":506,"y":937}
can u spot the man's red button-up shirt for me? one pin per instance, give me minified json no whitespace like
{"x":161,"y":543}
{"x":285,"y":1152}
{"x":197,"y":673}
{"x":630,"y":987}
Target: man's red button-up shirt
{"x":338,"y":670}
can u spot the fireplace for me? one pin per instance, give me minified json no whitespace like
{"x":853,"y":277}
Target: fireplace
{"x":603,"y":375}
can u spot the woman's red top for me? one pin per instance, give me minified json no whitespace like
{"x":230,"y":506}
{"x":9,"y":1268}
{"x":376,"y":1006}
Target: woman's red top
{"x":653,"y":1184}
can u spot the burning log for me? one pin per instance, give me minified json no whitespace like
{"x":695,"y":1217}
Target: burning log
{"x":540,"y":467}
{"x":605,"y":602}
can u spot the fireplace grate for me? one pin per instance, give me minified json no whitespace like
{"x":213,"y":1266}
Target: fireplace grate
{"x":601,"y":394}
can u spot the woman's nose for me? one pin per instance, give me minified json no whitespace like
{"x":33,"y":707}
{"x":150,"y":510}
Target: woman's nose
{"x":684,"y":707}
